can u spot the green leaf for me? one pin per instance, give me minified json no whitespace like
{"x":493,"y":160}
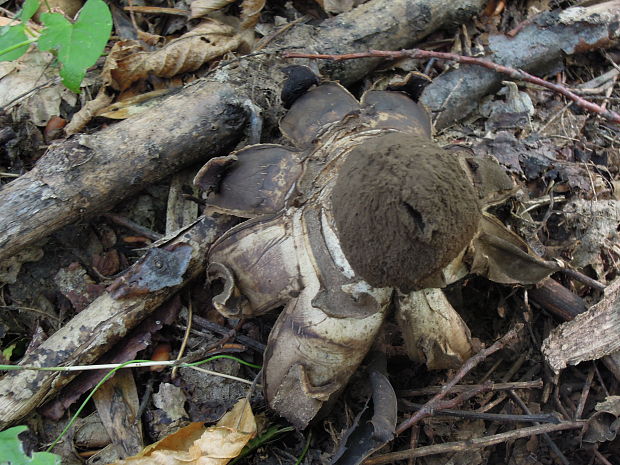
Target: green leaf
{"x":12,"y":452}
{"x":10,"y":38}
{"x":7,"y":353}
{"x":28,"y":10}
{"x":79,"y":44}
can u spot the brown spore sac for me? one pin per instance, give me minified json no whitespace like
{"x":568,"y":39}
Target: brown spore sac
{"x":403,"y":209}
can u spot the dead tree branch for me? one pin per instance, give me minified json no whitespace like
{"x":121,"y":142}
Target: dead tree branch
{"x":96,"y":328}
{"x":518,"y":74}
{"x":88,"y":174}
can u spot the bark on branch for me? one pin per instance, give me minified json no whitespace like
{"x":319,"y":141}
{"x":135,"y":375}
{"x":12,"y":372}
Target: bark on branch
{"x":538,"y":48}
{"x":88,"y":174}
{"x":103,"y":323}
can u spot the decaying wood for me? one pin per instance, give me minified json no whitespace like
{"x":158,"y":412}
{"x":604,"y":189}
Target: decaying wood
{"x":590,"y":336}
{"x":513,"y":73}
{"x":95,"y":329}
{"x":555,"y":298}
{"x":88,"y":174}
{"x":538,"y":48}
{"x":217,"y":104}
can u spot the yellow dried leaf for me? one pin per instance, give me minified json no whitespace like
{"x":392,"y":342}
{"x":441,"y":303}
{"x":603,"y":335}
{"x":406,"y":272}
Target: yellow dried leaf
{"x":208,"y":40}
{"x":197,"y":445}
{"x":133,"y":105}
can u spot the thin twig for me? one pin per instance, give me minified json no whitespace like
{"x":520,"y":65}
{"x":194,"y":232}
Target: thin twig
{"x":144,"y":401}
{"x":601,"y":458}
{"x":584,"y":393}
{"x":223,"y":331}
{"x":470,"y":444}
{"x":413,"y":442}
{"x":188,"y":328}
{"x":499,"y":417}
{"x":222,"y":375}
{"x":132,"y":226}
{"x":536,"y":384}
{"x":467,"y":366}
{"x":582,"y":278}
{"x":512,"y":72}
{"x":552,"y":445}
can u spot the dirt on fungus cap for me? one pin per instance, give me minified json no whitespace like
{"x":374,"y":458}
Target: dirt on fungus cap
{"x":403,"y":209}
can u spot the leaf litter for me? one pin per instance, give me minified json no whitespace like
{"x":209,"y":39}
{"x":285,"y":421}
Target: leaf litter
{"x":542,"y":156}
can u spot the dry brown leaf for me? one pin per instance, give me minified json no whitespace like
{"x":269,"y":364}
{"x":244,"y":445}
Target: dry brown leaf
{"x":250,"y":10}
{"x":189,"y":52}
{"x":197,"y":445}
{"x":200,"y":8}
{"x":88,"y":111}
{"x":25,"y":81}
{"x":120,"y":50}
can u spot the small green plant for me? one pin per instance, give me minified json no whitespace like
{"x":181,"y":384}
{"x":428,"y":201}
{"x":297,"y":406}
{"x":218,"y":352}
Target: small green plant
{"x":77,"y":44}
{"x":12,"y":450}
{"x":131,"y":363}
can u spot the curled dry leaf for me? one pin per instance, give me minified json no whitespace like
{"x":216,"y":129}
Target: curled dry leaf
{"x":197,"y":445}
{"x":207,"y":41}
{"x":120,"y":50}
{"x":200,"y":8}
{"x":88,"y":112}
{"x":367,"y":203}
{"x":250,"y":10}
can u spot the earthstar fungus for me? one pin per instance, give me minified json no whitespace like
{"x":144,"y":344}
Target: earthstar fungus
{"x":364,"y":209}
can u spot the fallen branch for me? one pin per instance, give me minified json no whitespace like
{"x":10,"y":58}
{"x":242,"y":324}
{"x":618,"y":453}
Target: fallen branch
{"x":538,"y":48}
{"x":518,"y":74}
{"x":89,"y":174}
{"x":590,"y":336}
{"x":103,"y":323}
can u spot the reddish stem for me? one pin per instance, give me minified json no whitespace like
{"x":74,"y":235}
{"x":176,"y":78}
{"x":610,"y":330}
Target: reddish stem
{"x":512,"y":72}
